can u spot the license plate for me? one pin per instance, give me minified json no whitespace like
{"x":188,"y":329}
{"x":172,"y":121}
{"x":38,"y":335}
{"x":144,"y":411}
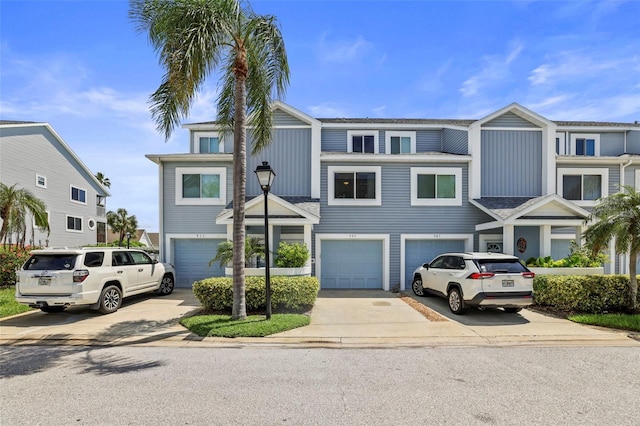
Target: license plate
{"x":507,"y":283}
{"x":44,"y":281}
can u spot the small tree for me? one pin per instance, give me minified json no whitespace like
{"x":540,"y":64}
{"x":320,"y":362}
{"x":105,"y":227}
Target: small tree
{"x":16,"y":206}
{"x":291,"y":255}
{"x":618,"y":216}
{"x":253,"y":247}
{"x":120,"y":223}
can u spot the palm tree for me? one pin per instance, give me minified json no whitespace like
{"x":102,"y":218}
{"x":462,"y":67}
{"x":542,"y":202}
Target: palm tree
{"x":103,"y":180}
{"x":15,"y":205}
{"x":618,"y":216}
{"x":252,"y":249}
{"x":121,"y":223}
{"x":196,"y":37}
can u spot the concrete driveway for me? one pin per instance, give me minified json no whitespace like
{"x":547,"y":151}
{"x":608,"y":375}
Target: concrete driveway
{"x":340,"y":318}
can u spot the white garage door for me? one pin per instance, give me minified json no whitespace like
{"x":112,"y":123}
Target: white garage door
{"x":418,"y":252}
{"x":351,"y":264}
{"x":191,"y":260}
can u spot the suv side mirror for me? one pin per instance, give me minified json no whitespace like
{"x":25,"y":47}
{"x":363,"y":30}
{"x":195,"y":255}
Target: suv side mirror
{"x":425,"y":265}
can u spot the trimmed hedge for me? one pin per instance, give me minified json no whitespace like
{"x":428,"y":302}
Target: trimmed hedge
{"x":584,"y":293}
{"x":288,"y":294}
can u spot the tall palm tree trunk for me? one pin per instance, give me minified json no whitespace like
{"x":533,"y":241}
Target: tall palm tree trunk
{"x":633,"y":280}
{"x":239,"y":310}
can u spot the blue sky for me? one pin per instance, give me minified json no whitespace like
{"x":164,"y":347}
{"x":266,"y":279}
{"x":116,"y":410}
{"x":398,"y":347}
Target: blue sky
{"x":81,"y":66}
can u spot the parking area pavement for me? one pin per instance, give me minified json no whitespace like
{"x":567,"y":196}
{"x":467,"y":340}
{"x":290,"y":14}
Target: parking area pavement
{"x":340,"y":318}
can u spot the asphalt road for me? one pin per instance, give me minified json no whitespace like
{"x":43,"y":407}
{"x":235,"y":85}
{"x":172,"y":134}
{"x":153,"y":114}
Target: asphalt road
{"x":273,"y":386}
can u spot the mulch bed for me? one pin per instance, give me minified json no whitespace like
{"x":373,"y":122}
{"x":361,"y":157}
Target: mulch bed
{"x":426,"y":312}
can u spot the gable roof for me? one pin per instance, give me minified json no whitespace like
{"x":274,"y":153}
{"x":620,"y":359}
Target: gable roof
{"x":289,"y":210}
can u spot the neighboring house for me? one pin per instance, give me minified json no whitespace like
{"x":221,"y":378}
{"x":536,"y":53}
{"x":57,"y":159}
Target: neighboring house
{"x":141,"y":236}
{"x":375,"y":198}
{"x":34,"y":156}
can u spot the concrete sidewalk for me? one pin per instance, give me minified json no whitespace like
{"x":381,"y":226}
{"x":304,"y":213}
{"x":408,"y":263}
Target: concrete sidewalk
{"x":340,"y":318}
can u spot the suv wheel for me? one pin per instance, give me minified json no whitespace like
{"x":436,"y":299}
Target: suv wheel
{"x":110,"y":299}
{"x":166,"y":285}
{"x":52,"y":309}
{"x":456,"y":302}
{"x":417,"y":288}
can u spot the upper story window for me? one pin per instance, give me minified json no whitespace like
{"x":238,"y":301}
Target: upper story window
{"x":587,"y":145}
{"x":400,"y":142}
{"x":201,"y":185}
{"x":74,"y":224}
{"x":78,"y":195}
{"x":365,"y":141}
{"x":208,"y":143}
{"x":352,"y":185}
{"x":436,"y":186}
{"x":583,"y":186}
{"x":41,"y":181}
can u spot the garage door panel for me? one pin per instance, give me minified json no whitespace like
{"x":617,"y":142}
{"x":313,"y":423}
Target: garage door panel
{"x":191,"y":259}
{"x":418,"y":252}
{"x":351,"y":264}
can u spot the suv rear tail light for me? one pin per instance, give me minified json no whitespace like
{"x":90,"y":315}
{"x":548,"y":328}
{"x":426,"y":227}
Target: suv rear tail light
{"x":479,"y":276}
{"x":529,"y":274}
{"x":80,"y":275}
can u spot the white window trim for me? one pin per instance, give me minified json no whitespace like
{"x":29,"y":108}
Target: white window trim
{"x":332,"y":201}
{"x":595,"y":137}
{"x":89,"y":226}
{"x":221,"y":171}
{"x":562,"y":144}
{"x":198,"y":135}
{"x":638,"y":180}
{"x":604,"y":182}
{"x":38,"y":176}
{"x":86,"y":195}
{"x":352,"y":133}
{"x":389,"y":134}
{"x":457,"y":172}
{"x":81,"y":231}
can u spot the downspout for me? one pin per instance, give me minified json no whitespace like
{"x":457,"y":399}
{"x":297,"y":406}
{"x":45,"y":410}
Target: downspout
{"x":623,"y":265}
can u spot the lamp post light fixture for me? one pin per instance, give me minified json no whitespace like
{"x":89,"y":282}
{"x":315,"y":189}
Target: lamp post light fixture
{"x":265,"y":176}
{"x":128,"y":238}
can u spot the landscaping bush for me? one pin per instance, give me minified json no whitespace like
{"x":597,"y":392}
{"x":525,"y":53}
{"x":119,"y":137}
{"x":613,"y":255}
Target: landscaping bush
{"x":288,"y":294}
{"x":291,"y":255}
{"x":579,"y":257}
{"x":11,"y":259}
{"x":584,"y":293}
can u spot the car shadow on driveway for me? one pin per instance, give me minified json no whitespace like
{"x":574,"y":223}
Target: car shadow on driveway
{"x":472,"y":316}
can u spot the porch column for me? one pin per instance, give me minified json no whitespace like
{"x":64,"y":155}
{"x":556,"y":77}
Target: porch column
{"x":507,"y":239}
{"x":230,"y":232}
{"x":545,"y":240}
{"x":270,"y":248}
{"x":307,"y":242}
{"x":579,"y":231}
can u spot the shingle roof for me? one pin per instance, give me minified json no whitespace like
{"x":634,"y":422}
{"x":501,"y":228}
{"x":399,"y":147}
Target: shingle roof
{"x":4,"y":122}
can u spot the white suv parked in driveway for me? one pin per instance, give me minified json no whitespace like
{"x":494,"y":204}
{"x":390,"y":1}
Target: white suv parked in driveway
{"x":476,"y":279}
{"x":53,"y":279}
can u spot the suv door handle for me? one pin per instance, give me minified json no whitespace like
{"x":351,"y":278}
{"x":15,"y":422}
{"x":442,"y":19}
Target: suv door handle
{"x":119,"y":272}
{"x":141,"y":269}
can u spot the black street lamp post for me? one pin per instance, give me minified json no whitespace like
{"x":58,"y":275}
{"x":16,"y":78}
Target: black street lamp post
{"x":128,"y":238}
{"x":265,"y":177}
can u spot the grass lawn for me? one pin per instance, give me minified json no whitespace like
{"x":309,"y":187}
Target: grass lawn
{"x":253,"y":326}
{"x":619,"y":321}
{"x":8,"y":304}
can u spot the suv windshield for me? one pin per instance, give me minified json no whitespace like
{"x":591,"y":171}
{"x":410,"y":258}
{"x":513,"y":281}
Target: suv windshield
{"x":51,"y":262}
{"x":503,"y":266}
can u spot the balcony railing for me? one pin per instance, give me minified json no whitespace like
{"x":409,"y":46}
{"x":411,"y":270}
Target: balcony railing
{"x":101,"y":211}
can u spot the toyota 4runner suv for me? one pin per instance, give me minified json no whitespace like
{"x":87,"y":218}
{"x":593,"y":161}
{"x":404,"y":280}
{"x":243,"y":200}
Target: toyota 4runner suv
{"x":53,"y":279}
{"x":476,"y":279}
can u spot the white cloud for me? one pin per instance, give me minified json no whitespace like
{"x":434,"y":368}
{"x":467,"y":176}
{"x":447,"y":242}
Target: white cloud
{"x":494,"y":69}
{"x":343,"y":51}
{"x":327,"y":110}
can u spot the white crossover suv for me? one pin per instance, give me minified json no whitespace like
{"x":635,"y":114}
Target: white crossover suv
{"x":476,"y":279}
{"x":53,"y":279}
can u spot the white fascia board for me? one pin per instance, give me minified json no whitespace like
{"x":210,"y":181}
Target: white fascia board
{"x":392,"y":126}
{"x":489,"y":225}
{"x":294,"y":112}
{"x":547,"y":200}
{"x":306,"y":217}
{"x":521,"y":112}
{"x":163,"y":158}
{"x":579,"y":159}
{"x":539,"y":222}
{"x":394,"y":158}
{"x":597,"y":129}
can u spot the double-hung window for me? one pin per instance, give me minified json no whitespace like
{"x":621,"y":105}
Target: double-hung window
{"x":208,"y":143}
{"x":201,"y":185}
{"x":78,"y":195}
{"x":436,"y":186}
{"x":354,"y":185}
{"x":585,"y":145}
{"x":41,"y":181}
{"x":74,"y":224}
{"x":400,"y":142}
{"x":583,"y":186}
{"x":365,"y":141}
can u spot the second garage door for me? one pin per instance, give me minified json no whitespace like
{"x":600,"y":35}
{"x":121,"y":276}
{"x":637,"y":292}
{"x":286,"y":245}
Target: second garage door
{"x":351,"y":264}
{"x":418,"y":252}
{"x":191,"y":261}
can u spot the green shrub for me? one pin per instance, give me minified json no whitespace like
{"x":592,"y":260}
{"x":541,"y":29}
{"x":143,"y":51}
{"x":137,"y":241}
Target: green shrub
{"x":579,"y":257}
{"x":288,"y":294}
{"x":291,"y":255}
{"x":582,"y":293}
{"x":11,"y":259}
